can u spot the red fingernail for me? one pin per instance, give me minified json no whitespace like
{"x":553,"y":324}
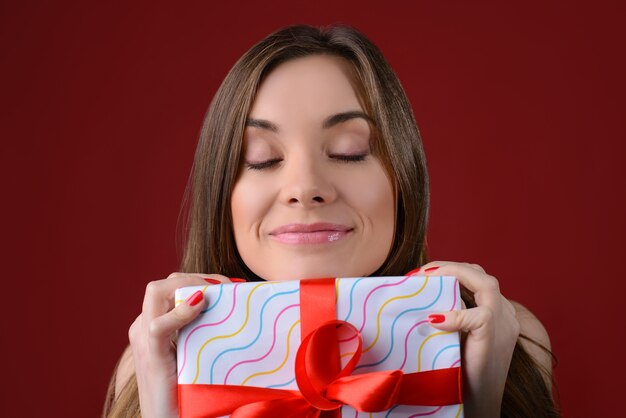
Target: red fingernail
{"x":212,"y":281}
{"x":237,"y":280}
{"x":436,"y":318}
{"x":431,"y":269}
{"x":194,"y":299}
{"x":413,"y":272}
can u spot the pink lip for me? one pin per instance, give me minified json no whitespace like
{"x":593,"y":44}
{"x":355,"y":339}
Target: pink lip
{"x":317,"y":233}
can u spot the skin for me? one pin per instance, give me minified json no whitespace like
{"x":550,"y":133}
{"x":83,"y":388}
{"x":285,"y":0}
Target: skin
{"x":308,"y":184}
{"x":316,"y":174}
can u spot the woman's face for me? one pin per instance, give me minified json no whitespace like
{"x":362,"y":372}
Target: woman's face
{"x":310,"y":199}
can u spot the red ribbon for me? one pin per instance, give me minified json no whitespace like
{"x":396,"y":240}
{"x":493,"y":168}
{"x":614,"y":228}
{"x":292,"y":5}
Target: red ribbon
{"x":324,"y":388}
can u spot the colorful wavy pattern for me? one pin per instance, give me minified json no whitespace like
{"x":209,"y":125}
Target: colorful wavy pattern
{"x":209,"y":324}
{"x":218,"y":337}
{"x":259,"y":333}
{"x":432,"y":411}
{"x":282,"y":363}
{"x":356,"y":282}
{"x":254,"y":332}
{"x":369,"y":295}
{"x":256,"y":338}
{"x":392,"y":330}
{"x":380,"y":311}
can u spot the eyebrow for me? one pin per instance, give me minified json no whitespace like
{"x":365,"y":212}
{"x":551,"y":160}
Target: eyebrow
{"x":328,"y":123}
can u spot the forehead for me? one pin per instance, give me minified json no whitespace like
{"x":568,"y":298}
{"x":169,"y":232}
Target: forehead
{"x":312,"y":87}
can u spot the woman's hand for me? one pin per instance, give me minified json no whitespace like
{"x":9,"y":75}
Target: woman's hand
{"x":151,"y":335}
{"x":492,"y":329}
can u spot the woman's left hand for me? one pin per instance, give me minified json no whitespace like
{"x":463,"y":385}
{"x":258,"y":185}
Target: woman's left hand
{"x":492,"y":331}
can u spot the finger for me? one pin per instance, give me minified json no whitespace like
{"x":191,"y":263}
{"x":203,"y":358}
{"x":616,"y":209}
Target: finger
{"x":159,"y":296}
{"x":428,"y":268}
{"x":161,"y":328}
{"x":477,"y":321}
{"x":485,"y":287}
{"x":215,"y":277}
{"x":434,"y":265}
{"x":477,"y":267}
{"x":134,"y":330}
{"x":509,"y":306}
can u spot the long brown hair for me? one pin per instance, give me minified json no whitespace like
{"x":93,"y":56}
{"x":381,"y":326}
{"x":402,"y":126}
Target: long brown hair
{"x":209,"y":245}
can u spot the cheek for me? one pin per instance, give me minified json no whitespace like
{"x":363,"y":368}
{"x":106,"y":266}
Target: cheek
{"x":372,"y":198}
{"x":371,"y":195}
{"x":381,"y":203}
{"x":250,"y":201}
{"x":243,"y":207}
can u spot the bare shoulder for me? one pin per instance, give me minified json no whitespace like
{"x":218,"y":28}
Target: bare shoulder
{"x":531,"y":327}
{"x":125,"y":370}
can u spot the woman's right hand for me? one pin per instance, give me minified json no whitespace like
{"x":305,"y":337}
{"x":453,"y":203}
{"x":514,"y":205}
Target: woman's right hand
{"x":150,"y":336}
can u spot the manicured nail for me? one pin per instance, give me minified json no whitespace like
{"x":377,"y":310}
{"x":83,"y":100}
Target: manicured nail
{"x":436,"y":318}
{"x":212,"y":281}
{"x":194,"y":299}
{"x":413,"y":272}
{"x":237,"y":280}
{"x":431,"y":269}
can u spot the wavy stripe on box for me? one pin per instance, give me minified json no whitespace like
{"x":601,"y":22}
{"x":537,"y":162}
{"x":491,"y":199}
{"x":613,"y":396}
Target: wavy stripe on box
{"x":432,"y":367}
{"x":455,"y":287}
{"x":351,"y":297}
{"x":254,"y":289}
{"x":282,"y":385}
{"x":217,"y":357}
{"x":371,"y":292}
{"x":256,"y":339}
{"x":217,"y":300}
{"x":393,"y":325}
{"x":406,"y":341}
{"x":423,"y":414}
{"x":232,"y":309}
{"x":419,"y":352}
{"x":282,"y":364}
{"x":451,"y":411}
{"x":388,"y":301}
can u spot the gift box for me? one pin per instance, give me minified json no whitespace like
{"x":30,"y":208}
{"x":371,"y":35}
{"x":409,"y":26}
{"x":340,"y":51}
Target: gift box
{"x":345,"y":347}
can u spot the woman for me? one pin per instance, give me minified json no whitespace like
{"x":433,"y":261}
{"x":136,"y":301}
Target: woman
{"x":310,"y":165}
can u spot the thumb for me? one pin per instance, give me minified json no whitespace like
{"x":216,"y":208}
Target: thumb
{"x":477,"y":321}
{"x":181,"y":315}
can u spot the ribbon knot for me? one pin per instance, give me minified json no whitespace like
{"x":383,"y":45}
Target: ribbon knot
{"x":371,"y":392}
{"x":381,"y":390}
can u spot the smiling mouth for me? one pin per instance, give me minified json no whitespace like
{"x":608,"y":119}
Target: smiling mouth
{"x":302,"y":234}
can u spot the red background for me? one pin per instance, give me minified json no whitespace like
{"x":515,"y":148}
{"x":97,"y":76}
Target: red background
{"x":521,"y":108}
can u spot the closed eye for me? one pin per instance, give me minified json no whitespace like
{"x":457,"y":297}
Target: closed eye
{"x":353,"y":158}
{"x":263,"y":164}
{"x":348,"y":157}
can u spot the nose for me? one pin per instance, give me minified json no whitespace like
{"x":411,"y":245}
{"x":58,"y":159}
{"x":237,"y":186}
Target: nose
{"x":305,"y":183}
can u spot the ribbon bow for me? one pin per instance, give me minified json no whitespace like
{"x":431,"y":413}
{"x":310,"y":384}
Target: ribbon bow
{"x":323,"y":390}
